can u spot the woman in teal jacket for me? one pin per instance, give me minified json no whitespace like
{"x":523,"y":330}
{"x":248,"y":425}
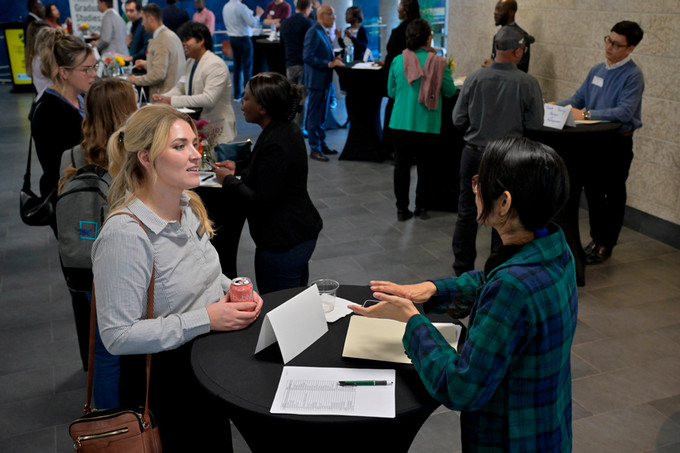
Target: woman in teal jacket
{"x":511,"y":379}
{"x":418,"y":79}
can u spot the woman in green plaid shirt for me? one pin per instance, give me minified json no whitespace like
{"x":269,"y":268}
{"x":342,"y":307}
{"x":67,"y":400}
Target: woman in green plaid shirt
{"x":511,"y":379}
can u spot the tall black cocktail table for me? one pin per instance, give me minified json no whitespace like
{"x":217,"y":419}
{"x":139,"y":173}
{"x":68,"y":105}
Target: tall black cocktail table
{"x":225,"y":364}
{"x":577,"y":146}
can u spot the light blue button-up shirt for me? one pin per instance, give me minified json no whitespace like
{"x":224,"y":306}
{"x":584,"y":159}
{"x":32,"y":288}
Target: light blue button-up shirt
{"x":239,"y":20}
{"x":188,"y":278}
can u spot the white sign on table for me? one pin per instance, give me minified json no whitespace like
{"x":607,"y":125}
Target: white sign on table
{"x":556,"y":116}
{"x":295,"y":325}
{"x":86,"y":12}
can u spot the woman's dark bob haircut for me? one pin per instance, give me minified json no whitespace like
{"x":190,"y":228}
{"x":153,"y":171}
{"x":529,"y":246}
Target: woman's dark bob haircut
{"x":533,"y":173}
{"x":280,"y":98}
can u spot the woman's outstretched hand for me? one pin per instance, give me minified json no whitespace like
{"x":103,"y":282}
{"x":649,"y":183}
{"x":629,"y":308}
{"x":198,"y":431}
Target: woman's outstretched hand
{"x":418,"y":293}
{"x":390,"y":307}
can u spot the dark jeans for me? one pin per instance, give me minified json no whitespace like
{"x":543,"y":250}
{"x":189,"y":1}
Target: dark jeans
{"x":243,"y":62}
{"x":413,"y":148}
{"x":106,"y":371}
{"x":281,"y":270}
{"x":388,"y":136}
{"x":465,"y":234}
{"x":317,"y":107}
{"x":605,"y":188}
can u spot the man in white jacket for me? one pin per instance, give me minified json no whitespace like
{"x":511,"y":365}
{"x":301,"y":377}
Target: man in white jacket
{"x":205,"y":82}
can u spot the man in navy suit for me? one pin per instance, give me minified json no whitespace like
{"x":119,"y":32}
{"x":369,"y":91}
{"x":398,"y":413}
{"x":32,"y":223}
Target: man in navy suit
{"x":319,"y":60}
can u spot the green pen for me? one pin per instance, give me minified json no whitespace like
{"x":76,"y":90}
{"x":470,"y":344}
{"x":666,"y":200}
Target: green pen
{"x":365,"y":383}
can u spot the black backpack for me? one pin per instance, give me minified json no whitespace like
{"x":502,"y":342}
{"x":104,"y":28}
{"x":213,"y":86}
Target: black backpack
{"x":81,"y":210}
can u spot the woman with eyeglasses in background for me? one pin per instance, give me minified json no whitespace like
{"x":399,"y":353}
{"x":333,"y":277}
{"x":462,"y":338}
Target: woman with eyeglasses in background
{"x":57,"y":122}
{"x":58,"y":117}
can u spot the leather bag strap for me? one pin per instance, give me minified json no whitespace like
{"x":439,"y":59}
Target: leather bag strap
{"x":93,"y":325}
{"x":27,"y":175}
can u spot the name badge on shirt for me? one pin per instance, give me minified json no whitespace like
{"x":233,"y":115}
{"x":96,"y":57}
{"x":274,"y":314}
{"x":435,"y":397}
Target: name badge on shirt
{"x":598,"y":81}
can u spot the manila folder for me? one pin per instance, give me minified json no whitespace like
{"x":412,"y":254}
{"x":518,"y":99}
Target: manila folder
{"x":380,"y":339}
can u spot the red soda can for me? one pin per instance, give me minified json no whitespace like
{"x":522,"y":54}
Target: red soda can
{"x":241,"y":290}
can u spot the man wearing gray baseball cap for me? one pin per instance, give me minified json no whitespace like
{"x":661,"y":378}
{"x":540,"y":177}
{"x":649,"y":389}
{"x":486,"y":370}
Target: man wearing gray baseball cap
{"x":496,"y":101}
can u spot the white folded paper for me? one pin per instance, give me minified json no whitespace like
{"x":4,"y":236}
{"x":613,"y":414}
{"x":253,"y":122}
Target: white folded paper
{"x":295,"y":325}
{"x":557,"y":117}
{"x":366,"y":65}
{"x":340,"y":310}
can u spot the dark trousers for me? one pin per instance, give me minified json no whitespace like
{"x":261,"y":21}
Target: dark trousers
{"x":281,"y":270}
{"x":605,"y":188}
{"x":413,"y":148}
{"x":188,"y":417}
{"x":243,"y":62}
{"x":388,"y":136}
{"x":465,"y":234}
{"x":317,"y":106}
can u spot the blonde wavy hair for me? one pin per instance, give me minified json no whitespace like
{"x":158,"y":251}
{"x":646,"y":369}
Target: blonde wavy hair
{"x":147,"y":129}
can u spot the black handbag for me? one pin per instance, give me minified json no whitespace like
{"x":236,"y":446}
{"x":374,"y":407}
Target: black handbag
{"x":34,"y":210}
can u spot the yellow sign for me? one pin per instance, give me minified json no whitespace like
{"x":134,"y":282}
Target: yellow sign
{"x":17,"y":58}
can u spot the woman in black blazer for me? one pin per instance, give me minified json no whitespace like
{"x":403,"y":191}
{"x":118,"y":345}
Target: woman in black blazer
{"x":273,"y":187}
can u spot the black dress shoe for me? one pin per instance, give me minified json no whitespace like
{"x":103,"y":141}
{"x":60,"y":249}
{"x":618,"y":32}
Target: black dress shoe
{"x":403,"y":215}
{"x":316,"y":155}
{"x":590,"y":248}
{"x":326,"y":150}
{"x":421,"y":214}
{"x":598,"y":256}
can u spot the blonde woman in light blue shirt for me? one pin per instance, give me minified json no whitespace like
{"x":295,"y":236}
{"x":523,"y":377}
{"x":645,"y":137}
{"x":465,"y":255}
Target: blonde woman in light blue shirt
{"x":154,"y":161}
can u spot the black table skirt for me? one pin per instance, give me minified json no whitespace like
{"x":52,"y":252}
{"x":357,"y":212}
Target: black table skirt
{"x":274,"y":54}
{"x":259,"y":57}
{"x":364,"y":94}
{"x":575,"y":145}
{"x":226,"y":366}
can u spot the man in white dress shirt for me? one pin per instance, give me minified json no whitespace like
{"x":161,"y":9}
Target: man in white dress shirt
{"x":239,"y":22}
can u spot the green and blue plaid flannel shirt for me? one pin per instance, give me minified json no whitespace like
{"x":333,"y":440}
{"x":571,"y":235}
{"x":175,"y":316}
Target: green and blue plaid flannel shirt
{"x":512,"y":378}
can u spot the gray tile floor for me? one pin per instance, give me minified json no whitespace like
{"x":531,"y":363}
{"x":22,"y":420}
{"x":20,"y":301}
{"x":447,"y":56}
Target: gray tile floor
{"x":626,"y":354}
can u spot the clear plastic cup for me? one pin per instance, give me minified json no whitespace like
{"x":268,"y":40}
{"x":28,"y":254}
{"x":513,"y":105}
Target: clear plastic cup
{"x":327,"y":290}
